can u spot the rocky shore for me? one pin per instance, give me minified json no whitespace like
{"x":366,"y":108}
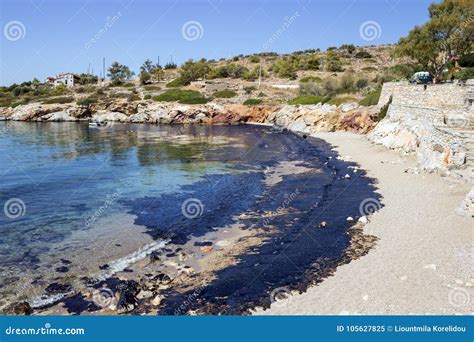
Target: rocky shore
{"x":313,"y":118}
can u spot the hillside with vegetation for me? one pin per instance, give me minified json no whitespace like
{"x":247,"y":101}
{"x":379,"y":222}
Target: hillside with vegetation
{"x":347,"y":73}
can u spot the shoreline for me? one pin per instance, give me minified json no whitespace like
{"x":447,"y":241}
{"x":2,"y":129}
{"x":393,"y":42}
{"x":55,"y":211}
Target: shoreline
{"x":340,"y":291}
{"x":421,"y":263}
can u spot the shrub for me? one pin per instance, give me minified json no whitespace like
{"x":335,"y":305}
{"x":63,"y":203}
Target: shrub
{"x":252,"y":102}
{"x":311,"y":88}
{"x":249,"y":89}
{"x":329,"y":85}
{"x":229,"y":70}
{"x":175,"y":83}
{"x":363,"y":54}
{"x":334,"y":65}
{"x":383,"y":111}
{"x":192,"y":71}
{"x":403,"y":71}
{"x":314,"y":79}
{"x":147,"y":97}
{"x":307,"y":100}
{"x":467,"y":60}
{"x":145,"y":77}
{"x":346,"y":83}
{"x":87,"y":79}
{"x":254,"y":59}
{"x":87,"y":101}
{"x":369,"y":69}
{"x":362,"y":83}
{"x":350,"y":48}
{"x":224,"y":94}
{"x":170,"y":65}
{"x":151,"y":88}
{"x":372,"y":98}
{"x":465,"y":74}
{"x":284,"y":69}
{"x":182,"y":96}
{"x":64,"y":99}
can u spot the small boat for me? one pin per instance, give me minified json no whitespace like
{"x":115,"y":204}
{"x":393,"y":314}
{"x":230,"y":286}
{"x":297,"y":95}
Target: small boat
{"x":96,"y":124}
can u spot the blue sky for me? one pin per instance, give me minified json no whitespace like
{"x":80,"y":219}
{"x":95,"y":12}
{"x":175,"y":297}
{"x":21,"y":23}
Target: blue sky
{"x":45,"y":37}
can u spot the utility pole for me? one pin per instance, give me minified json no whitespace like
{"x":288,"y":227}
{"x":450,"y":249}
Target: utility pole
{"x":158,"y":61}
{"x":103,"y":68}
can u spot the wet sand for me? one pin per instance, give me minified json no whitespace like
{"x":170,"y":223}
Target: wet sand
{"x":422,"y":263}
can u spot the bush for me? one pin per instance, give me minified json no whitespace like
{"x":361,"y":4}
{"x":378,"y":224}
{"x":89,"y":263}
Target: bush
{"x":170,"y":65}
{"x":284,"y":69}
{"x":192,"y":71}
{"x":307,"y":100}
{"x":311,"y":88}
{"x":87,"y":101}
{"x":87,"y":79}
{"x":372,"y":98}
{"x":230,"y":70}
{"x":362,"y":83}
{"x":254,"y":59}
{"x":467,"y":60}
{"x":252,"y":102}
{"x":175,"y":83}
{"x":362,"y":54}
{"x":248,"y":90}
{"x":350,"y":48}
{"x":182,"y":96}
{"x":465,"y":74}
{"x":64,"y":99}
{"x":383,"y":111}
{"x":314,"y":79}
{"x":151,"y":88}
{"x":334,"y":65}
{"x":346,"y":83}
{"x":329,"y":85}
{"x":369,"y":69}
{"x":147,"y":97}
{"x":224,"y":94}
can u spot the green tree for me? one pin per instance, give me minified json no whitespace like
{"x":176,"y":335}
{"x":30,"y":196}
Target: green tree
{"x":118,"y":73}
{"x":448,"y":33}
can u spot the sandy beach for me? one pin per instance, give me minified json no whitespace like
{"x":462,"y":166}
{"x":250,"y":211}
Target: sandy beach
{"x":422,"y":263}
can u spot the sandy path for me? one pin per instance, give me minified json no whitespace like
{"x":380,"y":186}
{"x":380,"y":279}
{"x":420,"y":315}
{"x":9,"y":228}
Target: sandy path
{"x":422,"y":263}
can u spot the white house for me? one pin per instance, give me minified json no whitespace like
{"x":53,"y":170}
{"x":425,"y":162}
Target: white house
{"x":68,"y":79}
